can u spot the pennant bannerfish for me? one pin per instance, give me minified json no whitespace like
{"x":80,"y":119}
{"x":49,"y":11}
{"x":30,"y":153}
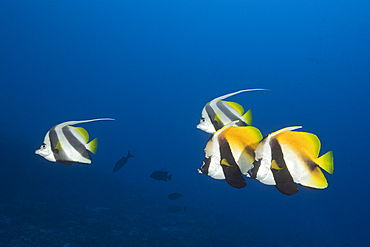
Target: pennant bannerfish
{"x":122,"y":162}
{"x":229,"y":153}
{"x":66,"y":144}
{"x":287,"y":157}
{"x":218,"y":113}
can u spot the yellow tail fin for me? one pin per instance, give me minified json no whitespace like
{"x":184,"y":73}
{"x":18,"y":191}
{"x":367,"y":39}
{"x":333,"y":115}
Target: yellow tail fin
{"x":248,"y":117}
{"x":93,"y":146}
{"x":326,"y":162}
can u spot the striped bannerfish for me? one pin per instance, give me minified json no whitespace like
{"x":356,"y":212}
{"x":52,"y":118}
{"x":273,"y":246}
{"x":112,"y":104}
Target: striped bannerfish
{"x":229,"y":153}
{"x":286,"y":157}
{"x":66,"y":144}
{"x":218,"y":113}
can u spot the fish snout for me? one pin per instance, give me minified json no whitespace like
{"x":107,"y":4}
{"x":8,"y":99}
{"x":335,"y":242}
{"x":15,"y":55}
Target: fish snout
{"x":206,"y":127}
{"x":43,"y":152}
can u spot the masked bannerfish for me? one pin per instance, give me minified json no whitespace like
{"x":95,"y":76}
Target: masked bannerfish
{"x":218,"y":113}
{"x":67,"y":144}
{"x":286,"y":157}
{"x":230,"y":153}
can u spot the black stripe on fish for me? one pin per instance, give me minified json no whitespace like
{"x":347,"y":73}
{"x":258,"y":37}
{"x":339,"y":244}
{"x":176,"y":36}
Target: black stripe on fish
{"x":204,"y":168}
{"x":75,"y":143}
{"x":231,"y":116}
{"x":233,"y":175}
{"x":253,"y":172}
{"x":212,"y":114}
{"x":284,"y":181}
{"x":257,"y":163}
{"x":59,"y":155}
{"x":53,"y":137}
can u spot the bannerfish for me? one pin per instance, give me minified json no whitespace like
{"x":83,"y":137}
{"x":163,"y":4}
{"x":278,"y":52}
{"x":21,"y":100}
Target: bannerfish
{"x":286,"y":157}
{"x":66,"y":144}
{"x":161,"y":176}
{"x":174,"y":196}
{"x":218,"y":113}
{"x":122,"y":162}
{"x":229,"y":153}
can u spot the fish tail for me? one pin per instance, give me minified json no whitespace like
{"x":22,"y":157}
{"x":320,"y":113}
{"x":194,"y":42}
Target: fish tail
{"x":248,"y":117}
{"x":92,"y":146}
{"x":169,"y":177}
{"x":326,"y":162}
{"x":129,"y":154}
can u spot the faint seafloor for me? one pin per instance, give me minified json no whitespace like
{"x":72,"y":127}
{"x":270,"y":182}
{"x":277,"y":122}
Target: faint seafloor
{"x":46,"y":205}
{"x":38,"y":220}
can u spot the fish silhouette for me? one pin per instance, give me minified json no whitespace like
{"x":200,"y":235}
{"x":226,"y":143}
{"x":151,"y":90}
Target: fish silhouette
{"x":122,"y":162}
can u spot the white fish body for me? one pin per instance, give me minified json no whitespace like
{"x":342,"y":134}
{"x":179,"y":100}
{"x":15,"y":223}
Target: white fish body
{"x":65,"y":144}
{"x":285,"y":158}
{"x":229,"y":153}
{"x":263,"y":153}
{"x":218,"y":113}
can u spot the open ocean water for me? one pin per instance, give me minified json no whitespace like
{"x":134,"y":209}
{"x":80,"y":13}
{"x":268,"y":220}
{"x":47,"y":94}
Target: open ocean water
{"x":152,"y":66}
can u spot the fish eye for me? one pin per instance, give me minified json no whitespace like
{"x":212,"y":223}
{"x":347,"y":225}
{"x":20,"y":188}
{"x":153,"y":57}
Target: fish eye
{"x":43,"y":145}
{"x":202,"y":119}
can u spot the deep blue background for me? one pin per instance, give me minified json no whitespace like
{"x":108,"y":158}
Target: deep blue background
{"x":153,"y":65}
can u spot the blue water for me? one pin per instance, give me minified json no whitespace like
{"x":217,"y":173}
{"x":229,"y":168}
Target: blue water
{"x":153,"y":65}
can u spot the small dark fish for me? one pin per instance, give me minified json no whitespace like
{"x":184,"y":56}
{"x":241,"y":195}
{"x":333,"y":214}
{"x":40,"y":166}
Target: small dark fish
{"x":121,"y":162}
{"x":159,"y":175}
{"x":174,"y":196}
{"x":174,"y":209}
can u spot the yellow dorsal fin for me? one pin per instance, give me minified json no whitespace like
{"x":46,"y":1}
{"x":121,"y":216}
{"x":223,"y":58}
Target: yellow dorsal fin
{"x":254,"y":134}
{"x":248,"y":117}
{"x":326,"y":162}
{"x":275,"y":166}
{"x":313,"y":142}
{"x":243,"y":141}
{"x":93,"y":146}
{"x":235,"y":106}
{"x":306,"y":142}
{"x":225,"y":163}
{"x":82,"y":132}
{"x":247,"y":135}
